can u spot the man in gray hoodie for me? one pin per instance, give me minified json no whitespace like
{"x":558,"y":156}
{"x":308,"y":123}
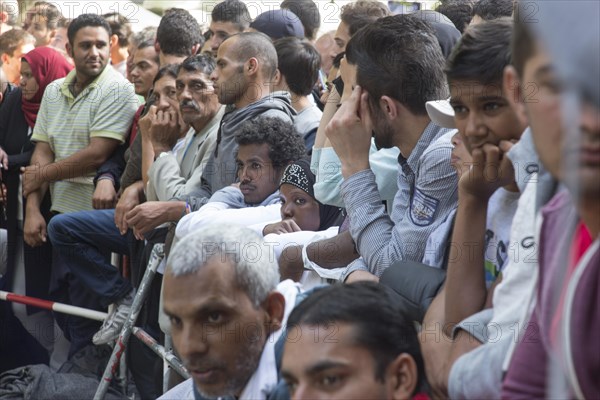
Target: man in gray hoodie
{"x":246,"y":66}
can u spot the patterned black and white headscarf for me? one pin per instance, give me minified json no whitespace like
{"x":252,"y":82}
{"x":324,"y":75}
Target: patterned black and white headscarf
{"x":299,"y":174}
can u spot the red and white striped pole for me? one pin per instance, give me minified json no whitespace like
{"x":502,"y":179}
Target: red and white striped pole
{"x":53,"y":306}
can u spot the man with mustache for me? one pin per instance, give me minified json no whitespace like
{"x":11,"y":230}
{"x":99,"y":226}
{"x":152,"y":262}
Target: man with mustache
{"x":171,"y":172}
{"x":243,"y":80}
{"x":176,"y":165}
{"x":173,"y":175}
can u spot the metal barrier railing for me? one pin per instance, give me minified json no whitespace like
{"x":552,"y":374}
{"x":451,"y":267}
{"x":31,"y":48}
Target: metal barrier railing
{"x":114,"y":362}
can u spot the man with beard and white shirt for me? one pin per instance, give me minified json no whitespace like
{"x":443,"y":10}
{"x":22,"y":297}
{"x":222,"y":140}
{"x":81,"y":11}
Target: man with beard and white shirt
{"x":227,"y":309}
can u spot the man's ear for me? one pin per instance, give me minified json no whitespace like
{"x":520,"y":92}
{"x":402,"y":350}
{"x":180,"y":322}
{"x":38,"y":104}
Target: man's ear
{"x":69,"y":49}
{"x":279,"y":82}
{"x":156,"y":46}
{"x":401,"y":377}
{"x":3,"y":17}
{"x":513,"y":92}
{"x":389,"y":107}
{"x":274,"y":305}
{"x":277,"y":77}
{"x":196,"y":48}
{"x":53,"y":33}
{"x":4,"y":57}
{"x":251,"y":66}
{"x":114,"y":41}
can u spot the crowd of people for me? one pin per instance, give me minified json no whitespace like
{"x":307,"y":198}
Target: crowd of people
{"x":407,"y":207}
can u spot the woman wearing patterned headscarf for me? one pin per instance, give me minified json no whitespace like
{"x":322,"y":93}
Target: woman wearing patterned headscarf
{"x":300,"y":211}
{"x":304,"y":220}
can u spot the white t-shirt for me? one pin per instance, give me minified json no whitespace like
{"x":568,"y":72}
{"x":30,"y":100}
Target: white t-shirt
{"x":501,"y":210}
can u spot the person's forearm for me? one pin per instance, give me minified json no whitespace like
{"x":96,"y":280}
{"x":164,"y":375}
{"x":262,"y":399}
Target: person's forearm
{"x":78,"y":164}
{"x":113,"y":166}
{"x":147,"y":158}
{"x":465,"y":281}
{"x":34,"y":200}
{"x":370,"y":224}
{"x":175,"y":210}
{"x":331,"y":107}
{"x":336,"y":252}
{"x":42,"y":156}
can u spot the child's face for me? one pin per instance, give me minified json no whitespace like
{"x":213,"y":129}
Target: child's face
{"x":461,"y":159}
{"x":570,"y":156}
{"x":482,"y":114}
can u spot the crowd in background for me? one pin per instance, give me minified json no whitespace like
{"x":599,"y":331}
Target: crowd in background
{"x":407,"y":207}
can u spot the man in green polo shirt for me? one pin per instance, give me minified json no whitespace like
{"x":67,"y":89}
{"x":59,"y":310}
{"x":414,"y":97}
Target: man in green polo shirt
{"x":82,"y":119}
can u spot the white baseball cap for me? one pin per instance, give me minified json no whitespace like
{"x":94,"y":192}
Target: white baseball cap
{"x":441,"y":113}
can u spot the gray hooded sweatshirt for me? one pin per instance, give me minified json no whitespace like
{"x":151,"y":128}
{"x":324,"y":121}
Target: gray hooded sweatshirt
{"x":221,"y":168}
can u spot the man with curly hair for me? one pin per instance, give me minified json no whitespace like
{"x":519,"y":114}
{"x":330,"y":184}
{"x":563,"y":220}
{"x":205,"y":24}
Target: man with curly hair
{"x":266,"y":146}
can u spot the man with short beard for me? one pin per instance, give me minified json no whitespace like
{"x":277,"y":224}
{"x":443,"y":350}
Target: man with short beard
{"x":388,"y":103}
{"x":79,"y":125}
{"x":246,"y":67}
{"x":226,"y":307}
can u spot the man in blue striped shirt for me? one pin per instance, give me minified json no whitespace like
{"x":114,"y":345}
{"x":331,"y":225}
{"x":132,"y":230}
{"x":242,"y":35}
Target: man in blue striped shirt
{"x":399,"y":67}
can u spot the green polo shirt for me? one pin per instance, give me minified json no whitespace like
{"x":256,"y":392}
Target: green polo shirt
{"x":105,"y":108}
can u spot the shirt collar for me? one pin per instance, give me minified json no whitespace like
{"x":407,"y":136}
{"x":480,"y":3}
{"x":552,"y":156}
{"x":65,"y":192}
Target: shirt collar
{"x":70,"y":79}
{"x":431,"y":133}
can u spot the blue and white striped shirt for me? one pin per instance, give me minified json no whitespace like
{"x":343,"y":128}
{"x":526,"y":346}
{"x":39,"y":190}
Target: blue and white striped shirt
{"x":427,"y":192}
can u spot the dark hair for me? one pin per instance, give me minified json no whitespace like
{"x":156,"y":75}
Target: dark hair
{"x":145,"y":44}
{"x":493,"y":9}
{"x":258,"y":45}
{"x":167,"y":70}
{"x":85,"y":20}
{"x":145,"y":35}
{"x":459,"y":12}
{"x":120,"y":26}
{"x":523,"y":42}
{"x":361,"y":13}
{"x":48,"y":11}
{"x":178,"y":32}
{"x":337,"y":60}
{"x":233,"y":11}
{"x":285,"y":144}
{"x":11,"y":40}
{"x":400,"y":57}
{"x":308,"y":14}
{"x":481,"y":53}
{"x":299,"y":62}
{"x":380,"y":323}
{"x":204,"y":63}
